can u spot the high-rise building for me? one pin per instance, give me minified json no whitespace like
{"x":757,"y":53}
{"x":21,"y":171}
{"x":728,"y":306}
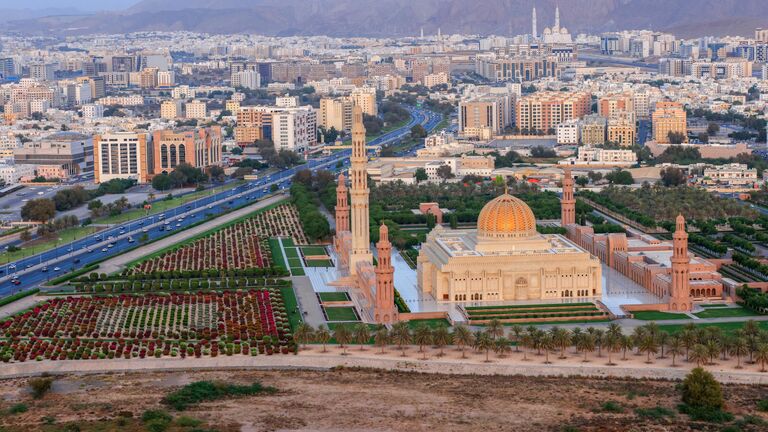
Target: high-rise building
{"x":336,"y":113}
{"x":543,"y":111}
{"x":42,"y":71}
{"x":171,"y":109}
{"x":593,"y":130}
{"x":622,"y":131}
{"x":761,"y":35}
{"x":247,"y":79}
{"x":122,"y":155}
{"x":481,"y":117}
{"x":365,"y":98}
{"x":669,"y":117}
{"x":166,"y":79}
{"x":253,"y":124}
{"x":200,"y":147}
{"x":611,"y":104}
{"x":196,"y":110}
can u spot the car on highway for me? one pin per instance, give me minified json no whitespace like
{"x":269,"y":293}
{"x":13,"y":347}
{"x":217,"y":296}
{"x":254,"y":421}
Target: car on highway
{"x":76,"y":260}
{"x":56,"y":269}
{"x":131,"y":240}
{"x":15,"y":281}
{"x":144,"y":230}
{"x":104,"y":250}
{"x":44,"y":269}
{"x":12,"y":267}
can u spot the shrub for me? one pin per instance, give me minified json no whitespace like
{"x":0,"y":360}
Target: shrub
{"x":152,"y":415}
{"x":40,"y":386}
{"x":705,"y":414}
{"x":701,"y":390}
{"x":762,"y":405}
{"x":655,"y":413}
{"x":185,"y":421}
{"x":18,"y":408}
{"x":201,"y":391}
{"x":612,"y":407}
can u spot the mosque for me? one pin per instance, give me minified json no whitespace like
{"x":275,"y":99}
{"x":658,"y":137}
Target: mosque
{"x":554,"y":34}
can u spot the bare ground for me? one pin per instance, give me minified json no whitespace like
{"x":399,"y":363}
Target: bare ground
{"x":370,"y":400}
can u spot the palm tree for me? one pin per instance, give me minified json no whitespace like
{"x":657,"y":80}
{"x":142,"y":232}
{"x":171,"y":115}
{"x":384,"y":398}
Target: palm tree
{"x":547,"y":344}
{"x":699,"y":354}
{"x":503,"y":347}
{"x":761,"y":355}
{"x":362,"y":334}
{"x":637,"y":335}
{"x":462,"y":337}
{"x":343,"y":336}
{"x":485,"y":343}
{"x":575,"y":335}
{"x":561,"y":338}
{"x":422,"y":335}
{"x":304,"y":334}
{"x":599,"y":336}
{"x":526,"y":340}
{"x":494,"y":328}
{"x":323,"y":335}
{"x":649,"y":346}
{"x":381,"y":338}
{"x":612,"y":344}
{"x":713,"y":350}
{"x":688,"y":339}
{"x":586,"y":344}
{"x":663,"y":338}
{"x":516,"y":330}
{"x":674,"y":348}
{"x":614,"y":330}
{"x":441,"y":337}
{"x":537,"y":335}
{"x":401,"y":335}
{"x":627,"y":343}
{"x":739,"y":348}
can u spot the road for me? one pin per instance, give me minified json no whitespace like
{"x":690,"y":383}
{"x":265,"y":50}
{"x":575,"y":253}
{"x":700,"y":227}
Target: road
{"x":37,"y":269}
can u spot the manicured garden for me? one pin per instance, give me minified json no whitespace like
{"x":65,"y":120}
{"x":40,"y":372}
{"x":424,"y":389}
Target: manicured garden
{"x":533,"y":312}
{"x":659,"y":316}
{"x":343,"y":313}
{"x":248,"y":322}
{"x":333,"y":296}
{"x":726,"y":312}
{"x":240,"y":245}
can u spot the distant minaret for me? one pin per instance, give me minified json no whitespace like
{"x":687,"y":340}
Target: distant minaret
{"x":342,"y":205}
{"x":422,"y":32}
{"x":557,"y":17}
{"x":568,"y":202}
{"x":384,"y":311}
{"x":535,"y":32}
{"x":680,"y":291}
{"x":359,"y":193}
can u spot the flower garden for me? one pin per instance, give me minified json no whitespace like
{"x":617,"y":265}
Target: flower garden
{"x":244,"y":322}
{"x":241,"y":245}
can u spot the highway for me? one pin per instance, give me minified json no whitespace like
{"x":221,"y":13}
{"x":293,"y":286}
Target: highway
{"x":120,"y":238}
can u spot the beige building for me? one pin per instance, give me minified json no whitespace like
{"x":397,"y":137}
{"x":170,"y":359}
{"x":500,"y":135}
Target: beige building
{"x":505,"y":259}
{"x":365,"y":98}
{"x":622,"y":132}
{"x":336,"y":113}
{"x":593,"y":130}
{"x":432,"y":80}
{"x":543,"y":111}
{"x":481,"y":117}
{"x":120,"y":155}
{"x":196,"y":110}
{"x":200,"y":147}
{"x":669,"y":117}
{"x":171,"y":109}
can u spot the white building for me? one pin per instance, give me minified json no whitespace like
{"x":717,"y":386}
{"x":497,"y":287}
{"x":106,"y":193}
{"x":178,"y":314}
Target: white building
{"x":293,"y":129}
{"x":568,"y":132}
{"x":92,"y":111}
{"x":730,"y":174}
{"x":12,"y":173}
{"x":166,"y":78}
{"x":599,"y":156}
{"x":247,"y":79}
{"x":287,"y":101}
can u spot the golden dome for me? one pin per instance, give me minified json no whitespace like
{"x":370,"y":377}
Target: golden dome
{"x":506,"y":217}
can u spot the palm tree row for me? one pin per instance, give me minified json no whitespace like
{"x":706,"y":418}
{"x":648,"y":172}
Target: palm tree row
{"x":700,"y":345}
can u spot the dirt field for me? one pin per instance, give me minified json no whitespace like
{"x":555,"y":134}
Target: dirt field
{"x":366,"y":400}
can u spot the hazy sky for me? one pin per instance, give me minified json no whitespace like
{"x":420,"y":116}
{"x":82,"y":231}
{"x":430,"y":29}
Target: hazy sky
{"x":85,"y":5}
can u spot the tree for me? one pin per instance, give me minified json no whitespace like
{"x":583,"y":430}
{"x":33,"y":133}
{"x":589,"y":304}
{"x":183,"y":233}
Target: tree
{"x":739,"y":349}
{"x":323,"y":335}
{"x":445,"y":172}
{"x":343,"y":336}
{"x":676,"y":137}
{"x":25,"y":236}
{"x":495,"y":328}
{"x":761,"y":355}
{"x":703,"y":137}
{"x":237,"y":150}
{"x":672,"y":176}
{"x":586,"y":344}
{"x":649,"y":345}
{"x":381,"y":338}
{"x":701,"y":390}
{"x":542,"y":152}
{"x":418,"y":132}
{"x":713,"y":129}
{"x":485,"y":342}
{"x":216,"y":172}
{"x":162,"y":182}
{"x":420,"y":175}
{"x":699,"y":354}
{"x":401,"y":335}
{"x":675,"y":348}
{"x":462,"y":337}
{"x":422,"y":335}
{"x":595,"y":176}
{"x":582,"y":181}
{"x":620,"y":177}
{"x":304,"y":333}
{"x":362,"y":334}
{"x":39,"y":210}
{"x":561,"y":338}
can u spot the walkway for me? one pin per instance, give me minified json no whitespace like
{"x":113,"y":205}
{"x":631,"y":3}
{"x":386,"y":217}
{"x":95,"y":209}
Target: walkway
{"x":118,"y":263}
{"x":634,"y":367}
{"x":307,"y":300}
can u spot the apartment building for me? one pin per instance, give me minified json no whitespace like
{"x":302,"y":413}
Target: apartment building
{"x":543,"y":111}
{"x":669,"y":117}
{"x":196,"y":110}
{"x":122,"y":155}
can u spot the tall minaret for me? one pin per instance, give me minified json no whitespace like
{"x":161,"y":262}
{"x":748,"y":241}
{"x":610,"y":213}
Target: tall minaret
{"x":342,"y":205}
{"x":535,"y":32}
{"x":384,"y":310}
{"x":568,"y":202}
{"x":422,"y":33}
{"x":359,"y":192}
{"x":557,"y":17}
{"x":680,"y":292}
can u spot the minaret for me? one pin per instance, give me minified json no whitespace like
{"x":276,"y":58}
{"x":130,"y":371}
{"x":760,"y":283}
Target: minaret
{"x":535,"y":32}
{"x":680,"y":293}
{"x":384,"y":310}
{"x":359,"y":192}
{"x":557,"y":17}
{"x":342,"y":205}
{"x":568,"y":202}
{"x":422,"y":33}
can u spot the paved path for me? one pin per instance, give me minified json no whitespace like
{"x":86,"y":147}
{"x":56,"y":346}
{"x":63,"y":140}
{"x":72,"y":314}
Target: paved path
{"x":19,"y":305}
{"x":308,"y":303}
{"x":117,"y":263}
{"x":370,"y":359}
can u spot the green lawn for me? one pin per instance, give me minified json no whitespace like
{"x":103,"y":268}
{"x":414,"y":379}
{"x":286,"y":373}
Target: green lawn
{"x":714,"y":305}
{"x":341,"y":314}
{"x":319,"y":263}
{"x":313,"y":250}
{"x":66,"y":236}
{"x":291,"y":307}
{"x":532,"y":306}
{"x":297,"y":271}
{"x":333,"y":296}
{"x":535,"y":323}
{"x":161,"y":205}
{"x":432,"y":323}
{"x":288,"y":242}
{"x":658,"y":316}
{"x":291,"y":252}
{"x":726,"y":313}
{"x":277,"y":254}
